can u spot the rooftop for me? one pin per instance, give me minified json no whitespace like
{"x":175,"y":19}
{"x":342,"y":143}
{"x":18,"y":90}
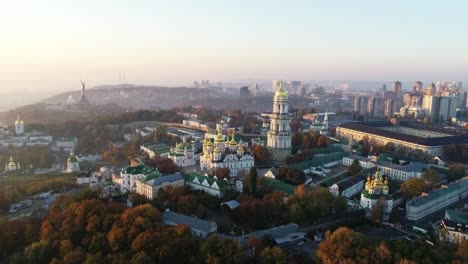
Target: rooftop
{"x":172,"y":218}
{"x":351,"y":181}
{"x":435,"y":194}
{"x":275,"y":232}
{"x":279,"y":185}
{"x":455,"y":136}
{"x":167,"y":178}
{"x":457,"y":216}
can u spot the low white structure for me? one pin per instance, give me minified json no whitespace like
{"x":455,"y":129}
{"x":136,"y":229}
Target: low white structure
{"x":156,"y":149}
{"x":394,"y":171}
{"x":149,"y":187}
{"x":195,"y":123}
{"x":348,"y":187}
{"x":454,"y":228}
{"x":402,"y":172}
{"x":212,"y":186}
{"x":199,"y":227}
{"x":89,"y":158}
{"x":39,"y":140}
{"x":435,"y":200}
{"x":66,"y":143}
{"x":129,"y":176}
{"x":365,"y":163}
{"x":145,"y":131}
{"x":271,"y":173}
{"x":87,"y":178}
{"x":322,"y":171}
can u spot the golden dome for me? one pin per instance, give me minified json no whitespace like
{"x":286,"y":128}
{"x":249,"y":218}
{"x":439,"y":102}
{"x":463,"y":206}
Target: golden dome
{"x":219,"y":137}
{"x":12,"y":162}
{"x":233,"y":141}
{"x":217,"y":150}
{"x":281,"y":92}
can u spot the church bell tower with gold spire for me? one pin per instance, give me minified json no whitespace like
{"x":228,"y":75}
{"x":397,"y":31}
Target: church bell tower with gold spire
{"x":279,"y":135}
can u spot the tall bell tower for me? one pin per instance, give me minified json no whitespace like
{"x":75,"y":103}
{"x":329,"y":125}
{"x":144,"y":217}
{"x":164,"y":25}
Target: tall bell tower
{"x":279,"y":135}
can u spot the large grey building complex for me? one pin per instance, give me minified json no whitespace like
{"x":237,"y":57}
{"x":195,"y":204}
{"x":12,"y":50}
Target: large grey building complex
{"x":405,"y":136}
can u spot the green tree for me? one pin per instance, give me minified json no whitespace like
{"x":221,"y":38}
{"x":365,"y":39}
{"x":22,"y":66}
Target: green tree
{"x":431,"y":176}
{"x":251,"y":180}
{"x":296,"y":214}
{"x":355,"y":167}
{"x":413,"y":187}
{"x":273,"y":255}
{"x":221,"y":250}
{"x":341,"y":246}
{"x":456,"y":171}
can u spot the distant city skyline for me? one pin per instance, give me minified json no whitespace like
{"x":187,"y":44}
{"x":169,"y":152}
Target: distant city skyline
{"x":51,"y":45}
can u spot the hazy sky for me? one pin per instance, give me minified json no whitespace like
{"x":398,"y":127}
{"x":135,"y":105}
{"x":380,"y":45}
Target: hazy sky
{"x":50,"y":45}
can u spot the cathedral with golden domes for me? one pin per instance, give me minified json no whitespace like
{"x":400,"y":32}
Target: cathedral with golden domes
{"x":224,"y":151}
{"x":376,"y":194}
{"x":279,"y":135}
{"x":12,"y":166}
{"x":183,"y":154}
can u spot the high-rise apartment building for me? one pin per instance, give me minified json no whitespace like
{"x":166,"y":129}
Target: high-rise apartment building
{"x":396,"y":89}
{"x":390,"y":107}
{"x":440,"y":108}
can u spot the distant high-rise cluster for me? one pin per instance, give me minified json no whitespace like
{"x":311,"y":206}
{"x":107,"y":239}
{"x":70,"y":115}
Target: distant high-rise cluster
{"x":438,"y":101}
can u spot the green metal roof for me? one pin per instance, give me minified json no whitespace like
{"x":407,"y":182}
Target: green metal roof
{"x":279,"y":185}
{"x":158,"y":147}
{"x":72,"y":158}
{"x":191,"y":177}
{"x":374,"y":196}
{"x":457,"y":216}
{"x":139,"y":169}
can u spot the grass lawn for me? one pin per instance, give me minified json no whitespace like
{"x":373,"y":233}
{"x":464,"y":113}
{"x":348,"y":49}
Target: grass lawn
{"x":16,"y":187}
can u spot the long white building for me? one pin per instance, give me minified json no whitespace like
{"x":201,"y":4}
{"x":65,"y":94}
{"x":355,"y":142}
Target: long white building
{"x":435,"y":200}
{"x":394,"y":171}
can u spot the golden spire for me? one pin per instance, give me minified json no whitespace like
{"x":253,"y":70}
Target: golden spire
{"x":281,"y":92}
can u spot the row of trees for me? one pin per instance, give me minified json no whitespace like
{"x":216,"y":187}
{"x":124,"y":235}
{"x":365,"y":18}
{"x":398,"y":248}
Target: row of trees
{"x":29,"y":156}
{"x":346,"y":246}
{"x":13,"y":189}
{"x":291,"y":175}
{"x":308,"y":140}
{"x":414,"y":187}
{"x":84,"y":229}
{"x":303,"y":207}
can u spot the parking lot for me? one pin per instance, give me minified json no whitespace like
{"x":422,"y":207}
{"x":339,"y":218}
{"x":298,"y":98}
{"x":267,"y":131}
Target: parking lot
{"x":308,"y":247}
